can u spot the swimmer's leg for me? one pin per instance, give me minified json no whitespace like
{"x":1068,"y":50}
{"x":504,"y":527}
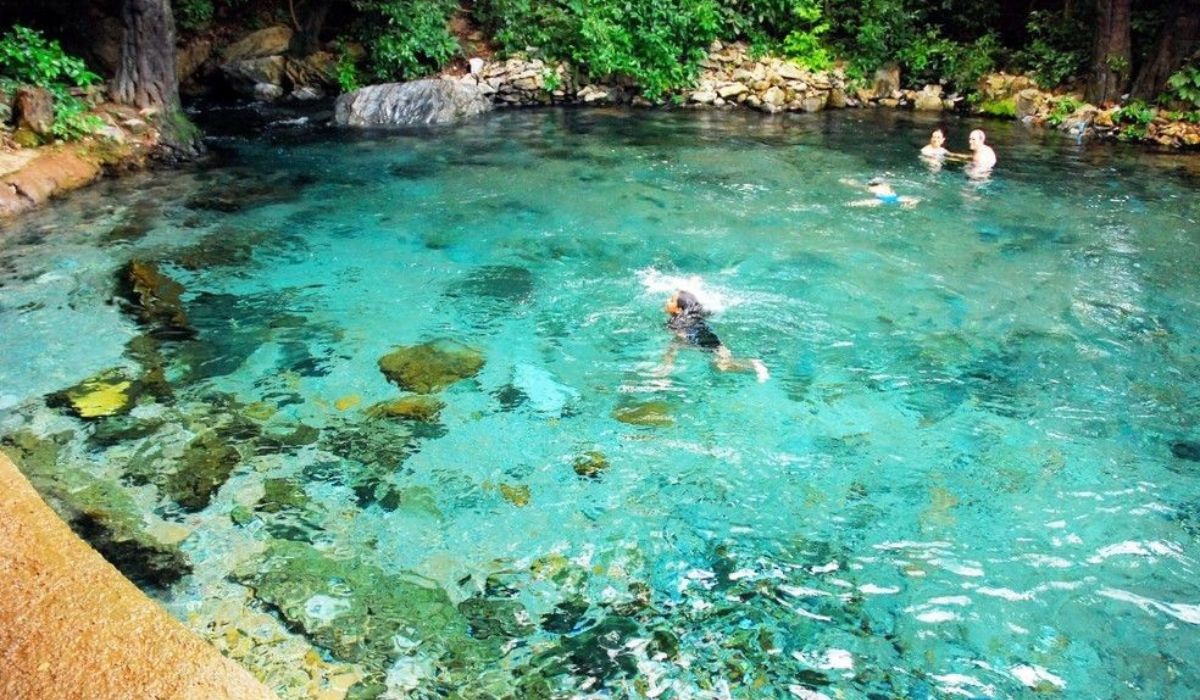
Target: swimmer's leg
{"x":726,"y":362}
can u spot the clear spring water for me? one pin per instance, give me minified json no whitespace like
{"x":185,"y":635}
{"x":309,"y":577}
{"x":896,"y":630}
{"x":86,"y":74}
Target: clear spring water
{"x":971,"y":473}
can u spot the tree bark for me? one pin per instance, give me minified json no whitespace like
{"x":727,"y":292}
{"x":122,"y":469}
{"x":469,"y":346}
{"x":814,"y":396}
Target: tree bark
{"x":1176,"y":41}
{"x":1112,"y":52}
{"x":145,"y":76}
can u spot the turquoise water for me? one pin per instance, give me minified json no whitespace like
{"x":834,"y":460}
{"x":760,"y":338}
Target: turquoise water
{"x":972,"y":472}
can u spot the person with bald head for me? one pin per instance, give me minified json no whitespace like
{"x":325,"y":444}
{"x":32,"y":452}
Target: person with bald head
{"x":983,"y":158}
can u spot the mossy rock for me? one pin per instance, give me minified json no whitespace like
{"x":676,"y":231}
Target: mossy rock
{"x":1006,"y":108}
{"x":431,"y":366}
{"x":591,"y":464}
{"x":109,"y":393}
{"x":516,"y":494}
{"x":155,"y":300}
{"x":355,"y":610}
{"x":280,"y":495}
{"x":650,"y":413}
{"x":420,"y":407}
{"x":205,"y":466}
{"x":490,"y":617}
{"x":100,"y":512}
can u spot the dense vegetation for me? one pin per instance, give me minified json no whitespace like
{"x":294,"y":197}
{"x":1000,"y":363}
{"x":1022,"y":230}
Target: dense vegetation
{"x":1146,"y":49}
{"x":28,"y":58}
{"x":657,"y":44}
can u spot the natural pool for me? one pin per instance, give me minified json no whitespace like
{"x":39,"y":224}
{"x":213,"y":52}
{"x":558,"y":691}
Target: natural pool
{"x":973,"y":471}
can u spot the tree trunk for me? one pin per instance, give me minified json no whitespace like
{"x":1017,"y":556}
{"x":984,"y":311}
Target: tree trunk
{"x":1112,"y":52}
{"x":310,"y":19}
{"x":1177,"y":39}
{"x":145,"y":75}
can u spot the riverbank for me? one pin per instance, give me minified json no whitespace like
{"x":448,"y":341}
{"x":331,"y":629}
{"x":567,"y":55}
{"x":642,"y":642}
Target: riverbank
{"x":29,"y":177}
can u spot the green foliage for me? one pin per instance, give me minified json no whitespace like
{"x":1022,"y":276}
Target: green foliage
{"x":406,"y":39}
{"x":656,"y":44}
{"x":1185,"y":86}
{"x":1006,"y":108}
{"x":550,"y":80}
{"x":348,"y":78}
{"x":1062,"y":109}
{"x":28,"y":58}
{"x":1136,"y":116}
{"x":193,"y":15}
{"x":804,"y":43}
{"x":1057,"y":50}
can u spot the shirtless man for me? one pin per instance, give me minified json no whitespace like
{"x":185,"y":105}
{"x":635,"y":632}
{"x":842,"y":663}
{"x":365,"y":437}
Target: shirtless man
{"x":984,"y":158}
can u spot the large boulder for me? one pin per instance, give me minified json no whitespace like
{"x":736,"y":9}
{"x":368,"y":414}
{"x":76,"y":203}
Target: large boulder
{"x":34,"y":110}
{"x":272,"y":41}
{"x":246,"y":75}
{"x":887,"y":81}
{"x":432,"y":101}
{"x":929,"y":99}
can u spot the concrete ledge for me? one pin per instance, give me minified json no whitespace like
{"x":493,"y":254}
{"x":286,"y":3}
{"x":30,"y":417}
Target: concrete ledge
{"x":71,"y":626}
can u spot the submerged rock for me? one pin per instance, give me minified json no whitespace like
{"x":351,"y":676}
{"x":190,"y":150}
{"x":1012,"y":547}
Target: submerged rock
{"x":109,"y":393}
{"x":432,"y":101}
{"x":415,"y":408}
{"x":650,"y":413}
{"x":99,"y":511}
{"x":1186,"y":449}
{"x":357,"y":612}
{"x":155,"y":300}
{"x":591,"y":464}
{"x":205,"y":466}
{"x":431,"y":366}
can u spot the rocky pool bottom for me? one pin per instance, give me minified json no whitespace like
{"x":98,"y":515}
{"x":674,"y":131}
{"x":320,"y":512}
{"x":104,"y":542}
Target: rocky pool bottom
{"x":388,"y":417}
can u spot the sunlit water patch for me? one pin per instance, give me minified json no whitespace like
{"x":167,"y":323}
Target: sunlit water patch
{"x":396,"y":415}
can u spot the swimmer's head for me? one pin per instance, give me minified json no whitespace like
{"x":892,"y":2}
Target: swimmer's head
{"x":937,"y":138}
{"x":682,"y":302}
{"x":976,"y":138}
{"x":879,"y":186}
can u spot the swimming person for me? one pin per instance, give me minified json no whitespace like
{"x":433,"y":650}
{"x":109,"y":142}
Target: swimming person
{"x":883,"y":195}
{"x":983,"y":158}
{"x":687,"y":321}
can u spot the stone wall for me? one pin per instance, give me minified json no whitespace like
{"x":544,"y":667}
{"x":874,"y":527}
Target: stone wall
{"x":730,"y":77}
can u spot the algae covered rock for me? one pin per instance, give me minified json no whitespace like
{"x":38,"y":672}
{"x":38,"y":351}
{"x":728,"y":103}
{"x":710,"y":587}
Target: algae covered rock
{"x":590,"y":464}
{"x":420,"y":408}
{"x":99,"y":511}
{"x":155,"y":300}
{"x":205,"y":466}
{"x":109,"y":393}
{"x":650,"y":413}
{"x":431,"y":366}
{"x":357,"y":611}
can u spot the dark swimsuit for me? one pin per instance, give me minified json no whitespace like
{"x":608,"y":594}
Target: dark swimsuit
{"x":694,"y":331}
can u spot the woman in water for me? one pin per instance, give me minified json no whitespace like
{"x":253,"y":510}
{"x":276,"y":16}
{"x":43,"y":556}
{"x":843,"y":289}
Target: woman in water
{"x":687,"y":320}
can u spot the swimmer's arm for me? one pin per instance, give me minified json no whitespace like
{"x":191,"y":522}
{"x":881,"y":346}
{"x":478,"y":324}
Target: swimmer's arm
{"x":872,"y":202}
{"x":962,"y":157}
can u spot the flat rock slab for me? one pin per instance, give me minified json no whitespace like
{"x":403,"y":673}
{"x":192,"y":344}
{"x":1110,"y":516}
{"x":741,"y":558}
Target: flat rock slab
{"x":75,"y":628}
{"x":43,"y":176}
{"x":415,"y":103}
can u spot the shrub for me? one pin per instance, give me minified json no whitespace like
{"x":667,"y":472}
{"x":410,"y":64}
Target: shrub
{"x":1061,"y":110}
{"x":1057,"y":50}
{"x":999,"y":108}
{"x":1184,"y":86}
{"x":406,"y":39}
{"x":1136,"y":116}
{"x":804,"y":43}
{"x":193,"y":15}
{"x":28,"y":58}
{"x":656,"y":44}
